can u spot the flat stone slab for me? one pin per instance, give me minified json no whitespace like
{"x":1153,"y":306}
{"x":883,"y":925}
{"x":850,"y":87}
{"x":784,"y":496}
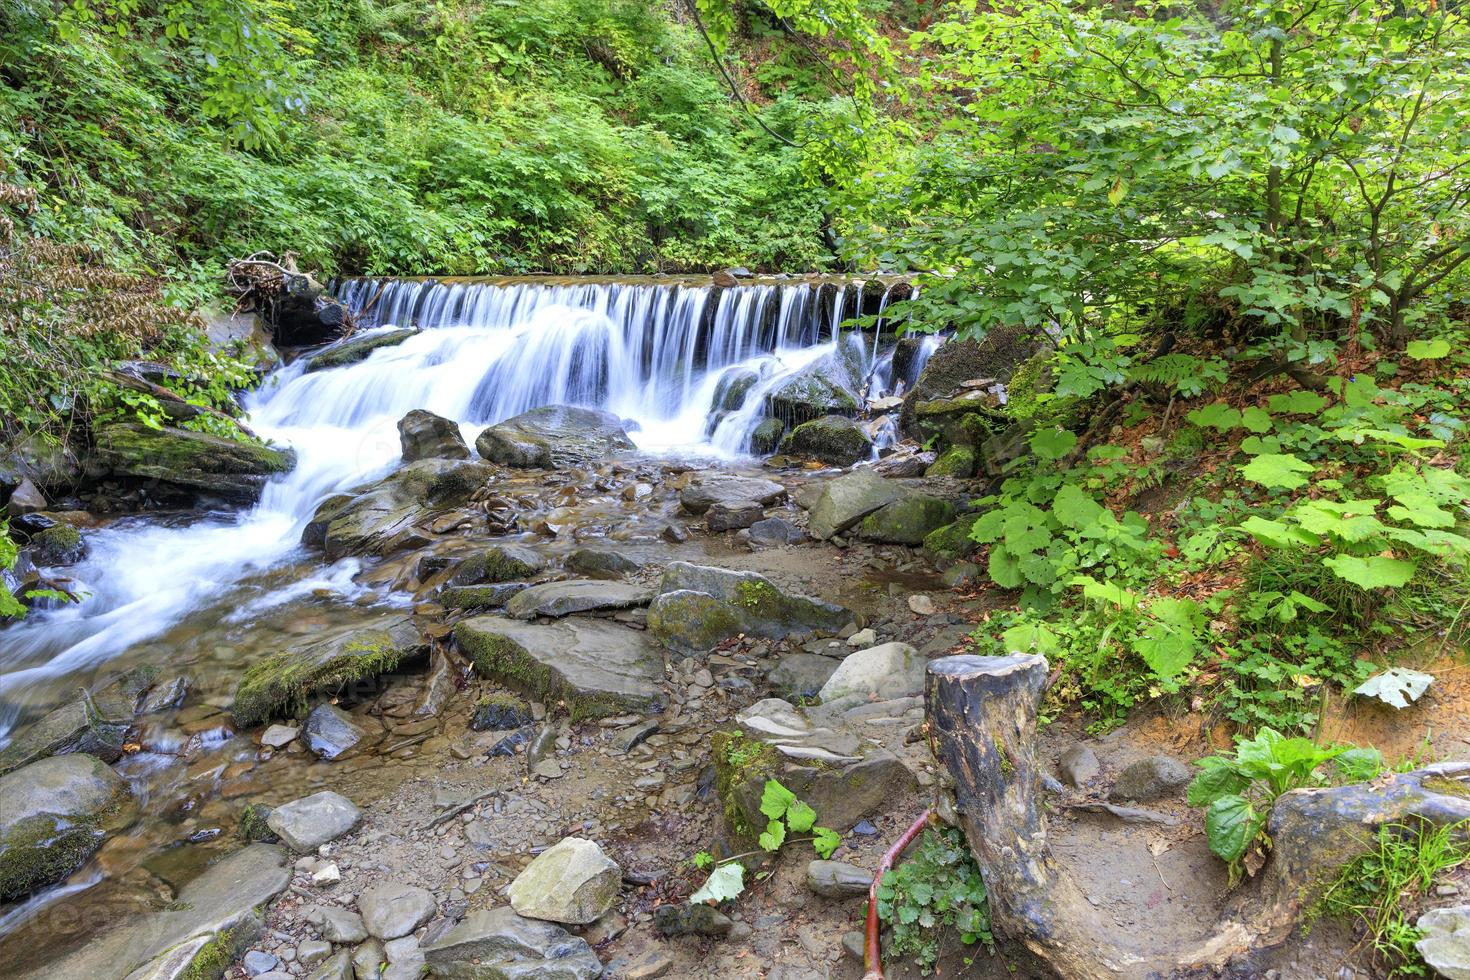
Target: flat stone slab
{"x":848,"y":499}
{"x":308,"y":823}
{"x":728,"y":490}
{"x":497,"y":943}
{"x":574,"y":596}
{"x":597,"y":667}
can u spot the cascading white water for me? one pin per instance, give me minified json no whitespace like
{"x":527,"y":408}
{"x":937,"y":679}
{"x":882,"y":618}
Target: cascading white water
{"x":652,"y":353}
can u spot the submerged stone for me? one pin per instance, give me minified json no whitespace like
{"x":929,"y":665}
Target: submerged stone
{"x":553,"y":437}
{"x":54,"y":815}
{"x":284,"y":683}
{"x":356,"y":349}
{"x":596,"y":667}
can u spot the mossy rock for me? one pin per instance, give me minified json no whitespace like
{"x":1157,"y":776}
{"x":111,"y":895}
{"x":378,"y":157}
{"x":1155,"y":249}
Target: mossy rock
{"x":950,"y":543}
{"x":253,"y":826}
{"x":956,"y":361}
{"x":498,"y":563}
{"x":54,"y":815}
{"x":832,"y":439}
{"x":500,"y":712}
{"x":827,"y":386}
{"x":92,"y":725}
{"x":553,"y":437}
{"x":382,"y":517}
{"x":356,"y":349}
{"x":228,"y":468}
{"x":56,"y":546}
{"x":767,"y":437}
{"x":700,"y":605}
{"x":479,"y":596}
{"x":692,"y":622}
{"x":739,"y":761}
{"x":907,"y":520}
{"x":284,"y":683}
{"x":956,"y":461}
{"x":592,"y":667}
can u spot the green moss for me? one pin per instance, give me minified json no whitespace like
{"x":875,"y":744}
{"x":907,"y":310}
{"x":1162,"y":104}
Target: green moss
{"x":755,"y":594}
{"x":58,"y":545}
{"x":831,"y":438}
{"x":1031,"y":380}
{"x":356,"y":349}
{"x":283,"y":683}
{"x":957,"y":461}
{"x":1447,"y":787}
{"x":43,"y":848}
{"x":475,"y":596}
{"x":139,"y":450}
{"x":740,"y":761}
{"x":694,"y":621}
{"x":767,"y":436}
{"x":216,"y":956}
{"x":502,"y":659}
{"x":253,"y":826}
{"x":951,"y":542}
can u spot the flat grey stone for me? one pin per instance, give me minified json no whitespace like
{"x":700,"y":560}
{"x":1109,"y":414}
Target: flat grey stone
{"x":497,"y":944}
{"x":892,"y":670}
{"x":572,"y":882}
{"x":574,"y":596}
{"x":308,"y":823}
{"x":395,"y":908}
{"x":836,"y":879}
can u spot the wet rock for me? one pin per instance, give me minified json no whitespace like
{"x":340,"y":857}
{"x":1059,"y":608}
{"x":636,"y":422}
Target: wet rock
{"x":700,"y":605}
{"x":766,"y":436}
{"x":164,"y":696}
{"x":596,"y":667}
{"x":1446,"y":943}
{"x":835,"y":879}
{"x":93,"y":725}
{"x":394,"y":908}
{"x":848,"y":499}
{"x":308,"y":823}
{"x":733,"y":516}
{"x":500,"y":712}
{"x":598,"y":563}
{"x":905,"y":464}
{"x":892,"y":670}
{"x":279,"y":736}
{"x":54,"y":815}
{"x":951,"y":543}
{"x":337,"y":925}
{"x":356,"y":349}
{"x":827,"y":386}
{"x":25,"y":499}
{"x":834,"y":439}
{"x":691,"y":920}
{"x":674,"y":533}
{"x":285,"y":682}
{"x":957,"y":361}
{"x":479,"y":596}
{"x":194,"y":461}
{"x":722,"y":489}
{"x":331,"y":733}
{"x":731,"y":390}
{"x":382,"y":518}
{"x":553,"y":437}
{"x":497,"y":944}
{"x":1151,"y":779}
{"x":842,"y":777}
{"x":801,"y":675}
{"x":57,"y":546}
{"x":907,"y":520}
{"x":773,"y":532}
{"x":257,"y":962}
{"x":498,"y":563}
{"x":424,"y":435}
{"x":559,"y":599}
{"x":1078,"y":765}
{"x":573,"y":883}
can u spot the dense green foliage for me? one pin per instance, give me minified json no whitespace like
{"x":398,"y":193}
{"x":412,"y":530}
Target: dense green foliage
{"x":444,"y":138}
{"x":937,"y":888}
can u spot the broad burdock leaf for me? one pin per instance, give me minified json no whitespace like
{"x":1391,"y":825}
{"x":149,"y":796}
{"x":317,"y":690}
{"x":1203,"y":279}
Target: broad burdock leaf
{"x":1278,"y":471}
{"x":725,"y":882}
{"x":1397,"y":686}
{"x":1427,"y":350}
{"x":776,"y":800}
{"x":1371,"y":572}
{"x":1218,"y":416}
{"x":826,"y":841}
{"x":1230,"y":825}
{"x":1052,"y":443}
{"x":800,"y":817}
{"x":774,"y":836}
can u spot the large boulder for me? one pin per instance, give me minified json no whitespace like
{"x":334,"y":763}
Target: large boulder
{"x":284,"y":683}
{"x":848,"y":499}
{"x":383,"y":517}
{"x":558,"y":599}
{"x":719,"y":488}
{"x":214,"y":919}
{"x":54,"y":815}
{"x":192,"y":461}
{"x":554,"y":437}
{"x":957,"y":361}
{"x":57,"y":546}
{"x":884,"y":672}
{"x":573,"y":883}
{"x":827,"y":386}
{"x":907,"y":520}
{"x":596,"y":667}
{"x":356,"y":348}
{"x":424,"y":435}
{"x":843,"y":777}
{"x":497,"y":944}
{"x":600,"y":563}
{"x":834,"y":439}
{"x":699,"y":605}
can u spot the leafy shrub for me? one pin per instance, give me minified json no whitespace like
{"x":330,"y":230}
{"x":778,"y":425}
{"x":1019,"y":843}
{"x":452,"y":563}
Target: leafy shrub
{"x":937,"y":887}
{"x":784,"y":814}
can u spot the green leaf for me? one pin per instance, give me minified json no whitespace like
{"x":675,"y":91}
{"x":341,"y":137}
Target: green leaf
{"x":1296,"y":403}
{"x":1230,"y":826}
{"x":1075,"y":508}
{"x":774,"y":836}
{"x":704,"y":859}
{"x":1277,"y":534}
{"x":725,"y":882}
{"x":825,"y":841}
{"x":1255,"y":420}
{"x":1029,"y":638}
{"x":1052,"y":443}
{"x":800,"y":817}
{"x":1217,"y":778}
{"x":1277,"y":471}
{"x":1218,"y":416}
{"x":1427,"y":350}
{"x":1004,"y":569}
{"x":1372,"y":572}
{"x":776,"y":800}
{"x":1359,"y":765}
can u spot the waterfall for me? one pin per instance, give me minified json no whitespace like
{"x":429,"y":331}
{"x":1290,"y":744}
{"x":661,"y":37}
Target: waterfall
{"x":652,"y":352}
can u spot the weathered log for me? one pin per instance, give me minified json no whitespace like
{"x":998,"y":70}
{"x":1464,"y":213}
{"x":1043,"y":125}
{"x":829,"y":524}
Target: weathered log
{"x":982,"y":726}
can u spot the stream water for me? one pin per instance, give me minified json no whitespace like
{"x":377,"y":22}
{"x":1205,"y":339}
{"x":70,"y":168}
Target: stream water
{"x":206,"y":593}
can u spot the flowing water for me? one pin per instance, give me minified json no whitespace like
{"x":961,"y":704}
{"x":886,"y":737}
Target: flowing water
{"x":206,"y":593}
